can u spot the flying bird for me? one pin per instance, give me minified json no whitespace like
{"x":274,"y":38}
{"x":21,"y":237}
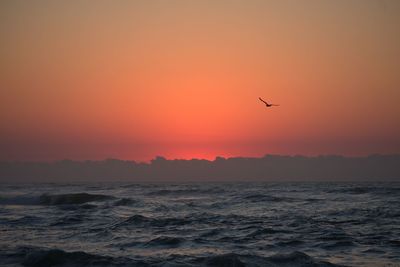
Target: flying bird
{"x":266,"y":104}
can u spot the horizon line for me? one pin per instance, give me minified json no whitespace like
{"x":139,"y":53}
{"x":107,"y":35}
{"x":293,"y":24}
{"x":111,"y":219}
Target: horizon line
{"x":159,"y":157}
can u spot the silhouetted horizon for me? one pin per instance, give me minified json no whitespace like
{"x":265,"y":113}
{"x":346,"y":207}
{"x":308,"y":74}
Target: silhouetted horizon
{"x":374,"y":167}
{"x":158,"y":156}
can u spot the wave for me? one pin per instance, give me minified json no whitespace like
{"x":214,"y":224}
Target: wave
{"x":69,"y":220}
{"x":20,"y":200}
{"x":165,"y":241}
{"x":125,"y":202}
{"x":140,"y":220}
{"x":75,"y":198}
{"x":338,"y":245}
{"x":194,"y":218}
{"x":373,"y":189}
{"x":293,"y":259}
{"x":166,"y":192}
{"x":264,"y":198}
{"x":265,"y":231}
{"x":290,"y":243}
{"x":352,"y":190}
{"x":37,"y":257}
{"x":224,"y":260}
{"x":48,"y":199}
{"x":24,"y":220}
{"x":362,"y":215}
{"x":298,"y":259}
{"x":210,"y":233}
{"x":395,"y":243}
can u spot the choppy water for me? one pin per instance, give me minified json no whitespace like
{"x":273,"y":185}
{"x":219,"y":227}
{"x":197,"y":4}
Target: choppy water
{"x":220,"y":224}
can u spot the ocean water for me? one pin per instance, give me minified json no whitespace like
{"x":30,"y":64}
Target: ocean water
{"x":200,"y":224}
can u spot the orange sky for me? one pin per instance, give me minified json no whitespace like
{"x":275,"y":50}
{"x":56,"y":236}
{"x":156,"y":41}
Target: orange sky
{"x":136,"y":79}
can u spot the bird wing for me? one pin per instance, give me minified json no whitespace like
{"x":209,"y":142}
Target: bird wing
{"x":263,"y":100}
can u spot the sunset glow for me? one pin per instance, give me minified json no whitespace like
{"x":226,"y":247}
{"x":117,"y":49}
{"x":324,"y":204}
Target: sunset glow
{"x":181,"y":79}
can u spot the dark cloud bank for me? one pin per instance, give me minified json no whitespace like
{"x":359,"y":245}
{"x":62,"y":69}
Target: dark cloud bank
{"x":267,"y":168}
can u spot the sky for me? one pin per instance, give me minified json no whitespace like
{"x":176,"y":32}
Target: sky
{"x":181,"y":78}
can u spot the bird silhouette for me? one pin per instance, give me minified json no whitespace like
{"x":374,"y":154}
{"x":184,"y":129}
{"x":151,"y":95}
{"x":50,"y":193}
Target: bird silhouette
{"x":266,"y":104}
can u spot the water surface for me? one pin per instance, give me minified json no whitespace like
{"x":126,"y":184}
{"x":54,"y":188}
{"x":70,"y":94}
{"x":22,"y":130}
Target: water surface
{"x":200,"y":224}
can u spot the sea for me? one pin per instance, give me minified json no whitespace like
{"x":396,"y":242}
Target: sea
{"x":200,"y":224}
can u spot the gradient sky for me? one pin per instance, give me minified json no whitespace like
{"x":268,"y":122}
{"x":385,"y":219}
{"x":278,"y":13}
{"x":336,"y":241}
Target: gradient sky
{"x":136,"y":79}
